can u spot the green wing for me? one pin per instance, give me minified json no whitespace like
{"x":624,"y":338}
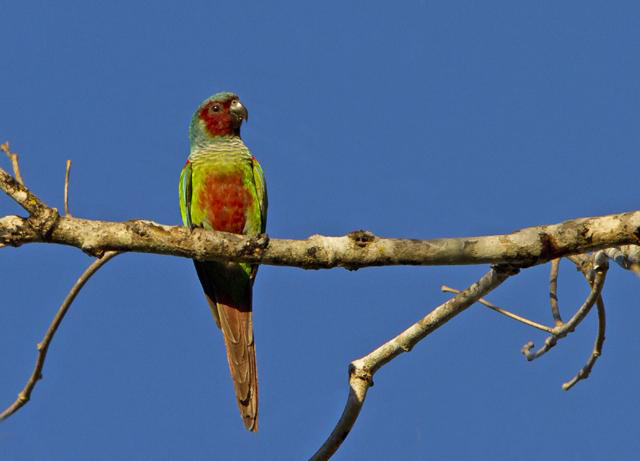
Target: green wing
{"x":261,"y":192}
{"x":185,"y":195}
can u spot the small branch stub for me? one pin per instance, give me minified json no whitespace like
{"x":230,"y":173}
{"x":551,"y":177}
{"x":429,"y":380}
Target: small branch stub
{"x":13,"y":157}
{"x":66,"y":189}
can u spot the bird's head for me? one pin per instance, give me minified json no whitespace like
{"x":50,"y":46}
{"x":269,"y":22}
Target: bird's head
{"x":220,"y":115}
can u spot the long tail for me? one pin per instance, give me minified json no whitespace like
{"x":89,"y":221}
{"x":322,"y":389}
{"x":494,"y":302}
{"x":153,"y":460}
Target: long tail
{"x":237,"y":327}
{"x":229,"y":297}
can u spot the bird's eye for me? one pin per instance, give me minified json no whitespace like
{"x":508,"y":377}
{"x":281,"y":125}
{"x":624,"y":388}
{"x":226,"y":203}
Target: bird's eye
{"x":215,"y":108}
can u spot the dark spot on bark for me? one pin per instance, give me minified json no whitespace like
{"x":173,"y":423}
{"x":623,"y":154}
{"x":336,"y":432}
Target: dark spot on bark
{"x":361,"y":237}
{"x":312,"y":252}
{"x":137,"y":229}
{"x":549,"y":249}
{"x":469,"y":245}
{"x":583,"y":231}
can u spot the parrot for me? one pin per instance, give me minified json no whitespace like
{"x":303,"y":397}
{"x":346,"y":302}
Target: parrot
{"x":222,"y":188}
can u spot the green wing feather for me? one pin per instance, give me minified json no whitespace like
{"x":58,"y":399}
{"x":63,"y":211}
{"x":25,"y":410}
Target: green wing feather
{"x":261,"y":193}
{"x":185,"y":195}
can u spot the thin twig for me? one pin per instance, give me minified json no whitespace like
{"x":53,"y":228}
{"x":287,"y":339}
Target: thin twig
{"x":504,"y":312}
{"x":585,"y":264}
{"x":361,"y":371}
{"x":66,"y":189}
{"x":553,"y":291}
{"x":25,"y":394}
{"x":14,"y":161}
{"x":601,"y":267}
{"x":597,"y":348}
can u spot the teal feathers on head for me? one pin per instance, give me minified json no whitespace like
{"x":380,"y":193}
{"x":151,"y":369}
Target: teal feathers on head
{"x":218,"y":116}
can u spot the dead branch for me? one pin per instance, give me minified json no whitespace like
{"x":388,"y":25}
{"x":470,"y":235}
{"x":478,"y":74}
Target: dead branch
{"x":43,"y":347}
{"x":597,"y":348}
{"x":66,"y":189}
{"x":13,"y":157}
{"x":594,"y":274}
{"x":361,"y":371}
{"x":585,"y":265}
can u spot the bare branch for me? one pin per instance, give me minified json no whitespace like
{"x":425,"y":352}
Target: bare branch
{"x":601,"y":266}
{"x":66,"y":189}
{"x":25,"y":394}
{"x":585,"y":265}
{"x":530,"y":246}
{"x":361,"y":371}
{"x":597,"y":348}
{"x":553,"y":291}
{"x":14,"y":161}
{"x":561,"y":331}
{"x":504,"y":311}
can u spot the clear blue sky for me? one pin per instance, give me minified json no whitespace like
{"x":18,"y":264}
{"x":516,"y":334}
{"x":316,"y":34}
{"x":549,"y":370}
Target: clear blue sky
{"x":425,"y":120}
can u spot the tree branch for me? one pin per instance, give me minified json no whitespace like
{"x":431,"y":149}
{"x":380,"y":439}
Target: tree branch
{"x":530,"y":246}
{"x":43,"y":347}
{"x":361,"y":371}
{"x":585,"y":265}
{"x":66,"y":189}
{"x":597,"y":348}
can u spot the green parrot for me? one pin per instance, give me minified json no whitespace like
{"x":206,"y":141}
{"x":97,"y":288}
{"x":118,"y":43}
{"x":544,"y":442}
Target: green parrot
{"x":222,"y":188}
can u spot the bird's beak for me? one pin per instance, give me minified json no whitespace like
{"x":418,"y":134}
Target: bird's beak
{"x":239,"y":110}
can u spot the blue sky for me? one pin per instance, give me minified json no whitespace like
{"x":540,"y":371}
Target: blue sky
{"x":423,"y":120}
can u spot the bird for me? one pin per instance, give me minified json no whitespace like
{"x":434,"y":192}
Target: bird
{"x":222,"y":188}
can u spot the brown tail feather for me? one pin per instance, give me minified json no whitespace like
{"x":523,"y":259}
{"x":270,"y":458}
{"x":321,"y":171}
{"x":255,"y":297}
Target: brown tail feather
{"x":237,"y":327}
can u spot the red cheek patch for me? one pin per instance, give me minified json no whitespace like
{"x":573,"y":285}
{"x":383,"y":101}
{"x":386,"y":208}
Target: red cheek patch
{"x":226,"y":201}
{"x":217,"y":124}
